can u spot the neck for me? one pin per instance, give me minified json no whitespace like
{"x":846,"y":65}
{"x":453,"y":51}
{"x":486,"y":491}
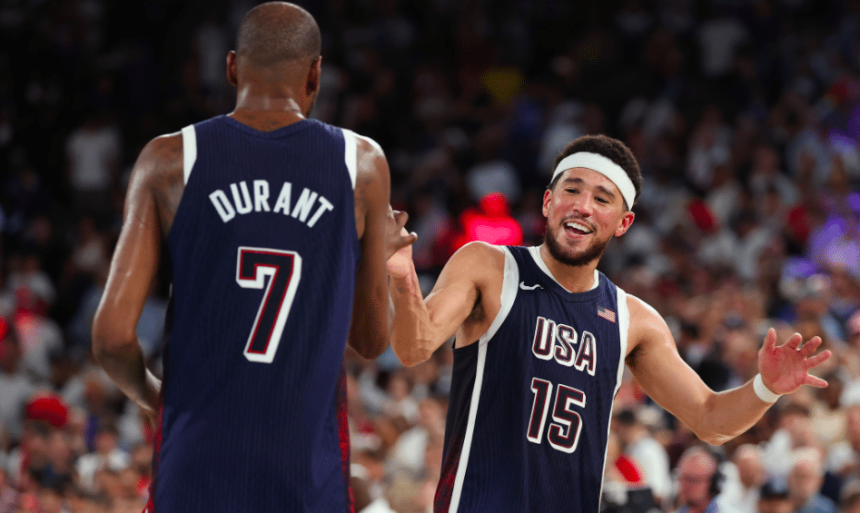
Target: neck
{"x":264,"y":105}
{"x":574,"y":279}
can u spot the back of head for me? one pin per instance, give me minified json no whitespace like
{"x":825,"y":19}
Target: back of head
{"x":277,"y":32}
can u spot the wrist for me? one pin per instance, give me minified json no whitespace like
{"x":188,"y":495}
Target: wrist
{"x":763,"y":392}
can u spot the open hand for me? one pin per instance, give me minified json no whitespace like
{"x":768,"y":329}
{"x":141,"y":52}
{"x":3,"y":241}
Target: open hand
{"x":786,"y":367}
{"x":396,"y":237}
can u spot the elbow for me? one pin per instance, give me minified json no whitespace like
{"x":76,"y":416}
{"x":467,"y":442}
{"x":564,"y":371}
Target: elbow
{"x":713,"y":438}
{"x":411,"y":356}
{"x":108,"y":339}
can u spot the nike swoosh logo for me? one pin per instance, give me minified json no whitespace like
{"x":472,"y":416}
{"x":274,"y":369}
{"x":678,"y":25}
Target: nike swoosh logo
{"x":523,"y":286}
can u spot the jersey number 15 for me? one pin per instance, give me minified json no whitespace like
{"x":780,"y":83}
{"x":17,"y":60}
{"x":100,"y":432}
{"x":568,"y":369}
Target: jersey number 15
{"x":563,"y":434}
{"x":283,"y":268}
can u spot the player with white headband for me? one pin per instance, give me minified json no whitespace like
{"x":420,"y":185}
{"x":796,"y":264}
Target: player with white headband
{"x":541,"y":342}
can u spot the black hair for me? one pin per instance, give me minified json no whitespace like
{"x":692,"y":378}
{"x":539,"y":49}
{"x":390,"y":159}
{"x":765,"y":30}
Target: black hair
{"x":275,"y":32}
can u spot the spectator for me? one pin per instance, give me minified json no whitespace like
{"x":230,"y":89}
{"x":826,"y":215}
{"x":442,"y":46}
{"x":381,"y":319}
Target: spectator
{"x":747,"y":459}
{"x":649,"y":455}
{"x":804,"y":483}
{"x":774,"y":498}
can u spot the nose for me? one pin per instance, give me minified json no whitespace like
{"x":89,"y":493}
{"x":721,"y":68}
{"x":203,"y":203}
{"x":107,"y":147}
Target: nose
{"x":584,"y":205}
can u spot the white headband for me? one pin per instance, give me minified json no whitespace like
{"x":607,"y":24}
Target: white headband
{"x":602,"y":165}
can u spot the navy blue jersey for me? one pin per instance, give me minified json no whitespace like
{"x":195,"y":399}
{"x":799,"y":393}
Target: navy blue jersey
{"x":531,"y":401}
{"x":263,"y":252}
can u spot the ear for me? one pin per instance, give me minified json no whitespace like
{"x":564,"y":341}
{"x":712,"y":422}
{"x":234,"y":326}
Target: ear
{"x":626,"y":221}
{"x":232,"y":74}
{"x":314,"y":73}
{"x":547,"y":198}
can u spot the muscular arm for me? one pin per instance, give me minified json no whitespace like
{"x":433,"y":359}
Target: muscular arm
{"x":713,"y":417}
{"x":469,"y":283}
{"x":134,"y":265}
{"x":368,"y":332}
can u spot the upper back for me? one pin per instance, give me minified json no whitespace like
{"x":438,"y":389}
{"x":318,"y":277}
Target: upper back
{"x":265,"y":233}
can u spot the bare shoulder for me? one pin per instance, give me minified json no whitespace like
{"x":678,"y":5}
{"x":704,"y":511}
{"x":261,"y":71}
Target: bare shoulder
{"x":161,"y":155}
{"x":159,"y":170}
{"x":481,"y":255}
{"x":479,"y":262}
{"x":372,"y":182}
{"x":372,"y":166}
{"x":647,"y":327}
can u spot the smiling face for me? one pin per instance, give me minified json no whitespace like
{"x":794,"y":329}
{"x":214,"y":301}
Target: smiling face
{"x":584,"y":211}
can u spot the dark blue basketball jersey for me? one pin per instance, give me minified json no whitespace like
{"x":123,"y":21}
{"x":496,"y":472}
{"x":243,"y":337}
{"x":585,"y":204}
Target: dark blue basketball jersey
{"x":263,"y":252}
{"x":531,"y":401}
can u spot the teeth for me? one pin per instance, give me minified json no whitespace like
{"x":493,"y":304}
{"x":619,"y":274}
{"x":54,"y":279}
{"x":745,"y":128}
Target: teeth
{"x":578,"y":227}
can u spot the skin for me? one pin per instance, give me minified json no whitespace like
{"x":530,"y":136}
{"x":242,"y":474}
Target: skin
{"x":268,"y":98}
{"x":695,"y":472}
{"x":466,"y":299}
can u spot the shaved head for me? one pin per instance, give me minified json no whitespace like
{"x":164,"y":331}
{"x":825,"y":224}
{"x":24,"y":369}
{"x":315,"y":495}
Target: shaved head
{"x":276,"y":32}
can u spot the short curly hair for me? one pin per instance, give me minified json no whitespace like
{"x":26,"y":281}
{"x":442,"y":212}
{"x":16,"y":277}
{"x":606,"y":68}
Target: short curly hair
{"x":611,"y":148}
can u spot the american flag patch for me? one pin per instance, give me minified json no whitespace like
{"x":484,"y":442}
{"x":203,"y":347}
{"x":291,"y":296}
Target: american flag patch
{"x":609,"y":315}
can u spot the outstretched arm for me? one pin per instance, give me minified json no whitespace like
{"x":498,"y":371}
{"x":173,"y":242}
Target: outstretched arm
{"x":379,"y":232}
{"x":466,"y":285}
{"x":714,"y":417}
{"x":134,"y":265}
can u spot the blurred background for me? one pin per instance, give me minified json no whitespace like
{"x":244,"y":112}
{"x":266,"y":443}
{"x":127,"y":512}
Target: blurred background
{"x":744,"y":116}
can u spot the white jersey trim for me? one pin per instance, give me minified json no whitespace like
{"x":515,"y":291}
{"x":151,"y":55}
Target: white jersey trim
{"x":508,"y":296}
{"x":350,"y":154}
{"x":534,"y":251}
{"x":623,"y":331}
{"x":189,"y":151}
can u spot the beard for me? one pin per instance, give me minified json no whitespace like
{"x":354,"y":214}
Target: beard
{"x":569,"y":257}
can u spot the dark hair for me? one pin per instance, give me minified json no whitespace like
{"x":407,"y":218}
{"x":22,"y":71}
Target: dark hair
{"x":611,"y":148}
{"x":275,"y":32}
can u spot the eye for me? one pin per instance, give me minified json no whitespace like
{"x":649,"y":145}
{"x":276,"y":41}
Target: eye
{"x":571,"y":190}
{"x":602,"y":200}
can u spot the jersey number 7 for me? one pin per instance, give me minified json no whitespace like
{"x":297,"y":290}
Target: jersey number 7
{"x":283,"y":268}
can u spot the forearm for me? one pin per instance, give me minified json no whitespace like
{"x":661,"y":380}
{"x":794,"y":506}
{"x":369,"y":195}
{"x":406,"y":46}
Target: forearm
{"x":729,"y":414}
{"x":126,"y":367}
{"x":368,"y":332}
{"x":413,"y":338}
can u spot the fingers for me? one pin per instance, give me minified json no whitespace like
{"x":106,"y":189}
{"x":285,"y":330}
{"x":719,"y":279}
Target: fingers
{"x":809,"y":348}
{"x":400,"y":217}
{"x":818,"y":359}
{"x":770,"y":340}
{"x":815,"y":382}
{"x":404,"y":239}
{"x":794,"y":341}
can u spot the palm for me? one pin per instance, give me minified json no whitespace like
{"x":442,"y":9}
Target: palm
{"x":785,"y":368}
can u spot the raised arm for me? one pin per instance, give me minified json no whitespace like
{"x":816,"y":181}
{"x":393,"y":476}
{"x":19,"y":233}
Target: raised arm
{"x":464,"y":300}
{"x":375,"y":223}
{"x":134,"y":265}
{"x":714,"y":417}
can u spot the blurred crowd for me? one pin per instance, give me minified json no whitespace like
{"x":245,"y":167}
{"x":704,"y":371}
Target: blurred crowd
{"x":744,"y":116}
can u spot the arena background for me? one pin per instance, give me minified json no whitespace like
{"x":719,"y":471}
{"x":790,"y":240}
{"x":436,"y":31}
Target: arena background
{"x":744,"y":116}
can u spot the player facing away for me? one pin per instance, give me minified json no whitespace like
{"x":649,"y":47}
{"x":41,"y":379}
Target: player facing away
{"x":542,"y":338}
{"x":277,"y":228}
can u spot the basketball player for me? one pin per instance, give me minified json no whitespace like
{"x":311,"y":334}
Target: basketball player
{"x":541,"y":343}
{"x":277,"y":230}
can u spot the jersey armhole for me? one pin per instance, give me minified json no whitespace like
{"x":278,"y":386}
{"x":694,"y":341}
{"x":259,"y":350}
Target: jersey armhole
{"x":189,"y":151}
{"x":350,"y":154}
{"x":511,"y":277}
